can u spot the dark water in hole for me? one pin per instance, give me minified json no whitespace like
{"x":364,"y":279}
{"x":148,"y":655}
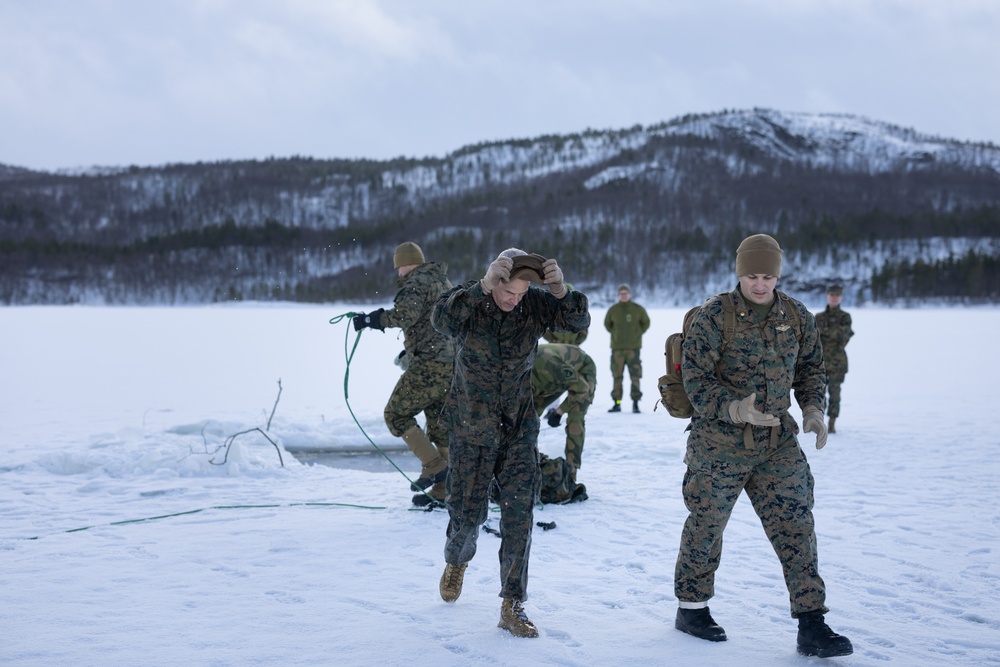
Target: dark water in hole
{"x":368,"y":461}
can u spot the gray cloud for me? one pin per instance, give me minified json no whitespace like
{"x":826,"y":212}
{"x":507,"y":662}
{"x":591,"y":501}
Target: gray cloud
{"x":114,"y":82}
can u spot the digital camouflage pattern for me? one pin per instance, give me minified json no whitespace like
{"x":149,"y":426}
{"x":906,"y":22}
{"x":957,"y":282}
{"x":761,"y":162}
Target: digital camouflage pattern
{"x":723,"y":458}
{"x":834,"y":331}
{"x":494,"y":355}
{"x":421,"y":388}
{"x":566,"y":337}
{"x":491,"y":417}
{"x":411,"y":311}
{"x":566,"y":369}
{"x":471,"y":469}
{"x":430,"y":354}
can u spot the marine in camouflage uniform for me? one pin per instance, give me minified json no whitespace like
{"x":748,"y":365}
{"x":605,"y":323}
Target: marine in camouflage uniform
{"x":491,"y":417}
{"x":565,"y":369}
{"x":834,"y":331}
{"x":429,"y":365}
{"x":626,"y":321}
{"x":749,"y":382}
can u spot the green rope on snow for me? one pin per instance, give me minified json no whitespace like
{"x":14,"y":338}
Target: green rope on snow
{"x":349,"y":355}
{"x":204,"y":509}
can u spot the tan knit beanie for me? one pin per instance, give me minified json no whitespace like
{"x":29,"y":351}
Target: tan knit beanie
{"x":758,"y":254}
{"x":406,"y":254}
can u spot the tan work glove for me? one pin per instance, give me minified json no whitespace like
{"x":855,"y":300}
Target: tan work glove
{"x":498,"y":272}
{"x":812,"y":422}
{"x":554,"y":278}
{"x":743,"y":412}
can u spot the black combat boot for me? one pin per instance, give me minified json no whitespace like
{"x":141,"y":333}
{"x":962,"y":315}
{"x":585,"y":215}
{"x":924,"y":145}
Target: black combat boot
{"x":635,"y":406}
{"x":617,"y":407}
{"x":699,"y":623}
{"x":425,"y":500}
{"x":816,"y":638}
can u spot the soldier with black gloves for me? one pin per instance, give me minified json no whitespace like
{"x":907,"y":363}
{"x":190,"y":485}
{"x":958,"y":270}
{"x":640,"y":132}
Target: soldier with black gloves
{"x":429,"y":364}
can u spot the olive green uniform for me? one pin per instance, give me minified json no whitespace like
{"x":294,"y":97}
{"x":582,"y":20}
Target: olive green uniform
{"x":492,"y":422}
{"x":724,"y":459}
{"x":834,"y":331}
{"x":626,"y":321}
{"x":566,"y":369}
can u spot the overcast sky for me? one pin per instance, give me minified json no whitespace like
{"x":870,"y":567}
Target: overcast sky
{"x":122,"y":82}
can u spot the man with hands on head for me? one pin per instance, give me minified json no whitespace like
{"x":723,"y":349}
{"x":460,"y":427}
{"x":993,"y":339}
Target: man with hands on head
{"x":493,"y":428}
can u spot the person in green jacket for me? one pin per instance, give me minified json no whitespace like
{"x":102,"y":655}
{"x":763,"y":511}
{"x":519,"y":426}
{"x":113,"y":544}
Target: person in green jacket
{"x":626,"y":321}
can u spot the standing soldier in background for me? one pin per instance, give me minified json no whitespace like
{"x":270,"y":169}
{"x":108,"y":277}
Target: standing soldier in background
{"x":565,"y":369}
{"x":493,"y":428}
{"x":626,"y":321}
{"x":429,"y":365}
{"x":834,"y":331}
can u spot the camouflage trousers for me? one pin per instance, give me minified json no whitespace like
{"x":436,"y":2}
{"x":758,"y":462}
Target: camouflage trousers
{"x":576,"y":429}
{"x":619,"y":360}
{"x":421,"y":388}
{"x":471,"y":470}
{"x":833,"y":383}
{"x":779,"y":484}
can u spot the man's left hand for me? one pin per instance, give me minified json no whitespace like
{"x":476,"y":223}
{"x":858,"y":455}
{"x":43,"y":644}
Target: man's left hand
{"x":553,"y":277}
{"x":553,"y":417}
{"x":812,"y":422}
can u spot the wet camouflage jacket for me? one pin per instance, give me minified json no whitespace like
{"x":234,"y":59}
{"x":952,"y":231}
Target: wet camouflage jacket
{"x":560,"y":368}
{"x":566,"y":337}
{"x":763,"y":357}
{"x":834,"y":330}
{"x":627,"y":321}
{"x":490,"y":398}
{"x":418,"y":292}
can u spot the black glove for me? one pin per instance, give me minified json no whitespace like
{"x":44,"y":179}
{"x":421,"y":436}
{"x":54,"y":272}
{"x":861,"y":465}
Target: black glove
{"x":372,"y":319}
{"x":553,"y":417}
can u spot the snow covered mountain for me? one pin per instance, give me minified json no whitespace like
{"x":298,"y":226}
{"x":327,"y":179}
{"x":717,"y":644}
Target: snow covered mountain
{"x":661,"y":207}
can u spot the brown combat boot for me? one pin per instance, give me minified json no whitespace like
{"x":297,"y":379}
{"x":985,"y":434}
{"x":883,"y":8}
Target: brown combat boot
{"x":830,"y":428}
{"x":434,"y":467}
{"x":514,"y":620}
{"x":451,"y":581}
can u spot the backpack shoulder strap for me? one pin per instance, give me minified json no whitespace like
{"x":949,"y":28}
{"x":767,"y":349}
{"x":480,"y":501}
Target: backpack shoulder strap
{"x":729,"y":323}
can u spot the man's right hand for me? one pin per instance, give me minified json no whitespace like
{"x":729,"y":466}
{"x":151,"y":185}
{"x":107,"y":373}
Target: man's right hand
{"x":498,"y":272}
{"x":744,"y":412}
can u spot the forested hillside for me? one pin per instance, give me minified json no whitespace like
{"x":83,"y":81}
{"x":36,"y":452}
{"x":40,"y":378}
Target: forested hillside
{"x":895,"y":215}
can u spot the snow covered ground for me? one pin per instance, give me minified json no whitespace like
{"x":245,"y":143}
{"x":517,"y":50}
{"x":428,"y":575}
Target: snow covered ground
{"x":123,"y":542}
